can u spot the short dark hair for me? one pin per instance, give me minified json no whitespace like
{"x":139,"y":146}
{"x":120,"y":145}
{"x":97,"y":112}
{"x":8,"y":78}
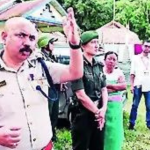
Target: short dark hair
{"x":109,"y":53}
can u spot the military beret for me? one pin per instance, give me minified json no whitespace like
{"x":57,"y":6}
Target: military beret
{"x":88,"y":36}
{"x":45,"y":40}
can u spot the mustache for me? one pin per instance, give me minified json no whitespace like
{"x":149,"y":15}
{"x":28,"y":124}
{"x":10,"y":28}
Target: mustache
{"x":26,"y":49}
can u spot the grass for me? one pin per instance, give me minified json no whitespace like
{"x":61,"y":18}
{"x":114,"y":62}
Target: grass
{"x":134,"y":140}
{"x":139,"y":139}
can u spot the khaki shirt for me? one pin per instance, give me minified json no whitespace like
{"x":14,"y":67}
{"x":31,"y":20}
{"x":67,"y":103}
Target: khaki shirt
{"x":22,"y":105}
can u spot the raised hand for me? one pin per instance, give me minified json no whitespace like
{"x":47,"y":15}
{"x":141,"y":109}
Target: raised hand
{"x":10,"y":136}
{"x":70,"y":28}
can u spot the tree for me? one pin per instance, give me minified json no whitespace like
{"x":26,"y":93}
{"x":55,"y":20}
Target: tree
{"x":91,"y":14}
{"x":136,"y":13}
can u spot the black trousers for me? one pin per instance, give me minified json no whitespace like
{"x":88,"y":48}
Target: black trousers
{"x":53,"y":113}
{"x":85,"y":134}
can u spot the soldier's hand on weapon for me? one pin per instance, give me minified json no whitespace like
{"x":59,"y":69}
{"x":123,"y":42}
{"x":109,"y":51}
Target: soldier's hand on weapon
{"x":70,"y":28}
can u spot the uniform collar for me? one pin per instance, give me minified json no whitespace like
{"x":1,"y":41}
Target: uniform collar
{"x":31,"y":61}
{"x":45,"y":52}
{"x":3,"y":65}
{"x":88,"y":63}
{"x":48,"y":53}
{"x":27,"y":63}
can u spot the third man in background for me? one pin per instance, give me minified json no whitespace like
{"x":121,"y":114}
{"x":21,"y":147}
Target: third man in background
{"x":140,"y":83}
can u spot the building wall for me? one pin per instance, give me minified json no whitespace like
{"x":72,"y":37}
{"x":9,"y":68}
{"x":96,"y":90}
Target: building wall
{"x":125,"y":52}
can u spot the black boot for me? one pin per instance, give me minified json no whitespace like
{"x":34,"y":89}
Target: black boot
{"x":131,"y":127}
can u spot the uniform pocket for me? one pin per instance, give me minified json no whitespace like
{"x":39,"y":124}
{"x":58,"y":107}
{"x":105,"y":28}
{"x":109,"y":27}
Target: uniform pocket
{"x":88,"y":76}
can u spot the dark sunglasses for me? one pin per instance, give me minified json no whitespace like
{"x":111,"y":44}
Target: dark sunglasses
{"x":147,"y":46}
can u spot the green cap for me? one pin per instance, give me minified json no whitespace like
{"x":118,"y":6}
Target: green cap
{"x":45,"y":40}
{"x":88,"y":36}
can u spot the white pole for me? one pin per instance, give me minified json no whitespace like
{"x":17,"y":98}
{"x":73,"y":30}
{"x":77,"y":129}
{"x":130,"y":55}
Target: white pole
{"x":114,"y":9}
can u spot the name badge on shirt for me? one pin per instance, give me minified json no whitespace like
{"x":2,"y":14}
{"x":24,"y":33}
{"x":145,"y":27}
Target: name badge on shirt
{"x":2,"y":83}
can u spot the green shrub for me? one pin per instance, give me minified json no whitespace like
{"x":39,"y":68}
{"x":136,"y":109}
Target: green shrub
{"x":64,"y":140}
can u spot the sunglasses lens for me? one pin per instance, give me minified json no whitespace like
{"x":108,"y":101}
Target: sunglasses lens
{"x":147,"y":46}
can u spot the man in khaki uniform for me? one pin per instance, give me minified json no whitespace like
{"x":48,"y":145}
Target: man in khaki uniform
{"x":24,"y":117}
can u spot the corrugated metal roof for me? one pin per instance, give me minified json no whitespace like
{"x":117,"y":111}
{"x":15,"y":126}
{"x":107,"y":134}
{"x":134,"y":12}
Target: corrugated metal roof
{"x":5,"y":5}
{"x":3,"y":2}
{"x":19,"y":9}
{"x":50,"y":21}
